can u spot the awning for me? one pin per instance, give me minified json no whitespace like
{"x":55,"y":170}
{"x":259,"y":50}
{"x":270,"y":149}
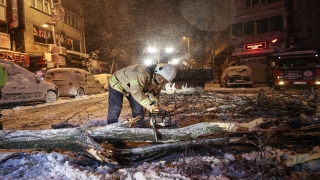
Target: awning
{"x":77,"y":53}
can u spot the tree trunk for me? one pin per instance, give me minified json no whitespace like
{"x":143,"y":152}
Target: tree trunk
{"x":158,"y":150}
{"x":80,"y":139}
{"x":120,"y":132}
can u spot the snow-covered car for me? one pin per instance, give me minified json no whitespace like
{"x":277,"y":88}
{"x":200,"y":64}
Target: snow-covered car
{"x":23,"y":86}
{"x":103,"y":79}
{"x":74,"y":82}
{"x":236,"y":76}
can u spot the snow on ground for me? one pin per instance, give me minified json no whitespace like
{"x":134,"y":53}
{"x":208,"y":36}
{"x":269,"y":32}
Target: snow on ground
{"x":57,"y":165}
{"x":43,"y":165}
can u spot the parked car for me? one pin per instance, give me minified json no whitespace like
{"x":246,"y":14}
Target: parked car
{"x":74,"y":82}
{"x":236,"y":76}
{"x":103,"y":79}
{"x":23,"y":86}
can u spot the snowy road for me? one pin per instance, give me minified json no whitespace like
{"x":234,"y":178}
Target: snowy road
{"x":43,"y":115}
{"x":78,"y":110}
{"x":32,"y":164}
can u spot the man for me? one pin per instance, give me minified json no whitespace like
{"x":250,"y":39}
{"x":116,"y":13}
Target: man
{"x":141,"y":85}
{"x":3,"y":80}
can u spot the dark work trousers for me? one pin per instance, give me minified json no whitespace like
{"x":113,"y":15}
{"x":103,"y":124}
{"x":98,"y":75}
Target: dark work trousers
{"x":115,"y":105}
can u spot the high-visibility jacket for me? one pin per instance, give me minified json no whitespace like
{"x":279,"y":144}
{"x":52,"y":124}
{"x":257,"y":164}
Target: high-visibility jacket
{"x":137,"y":81}
{"x":3,"y":76}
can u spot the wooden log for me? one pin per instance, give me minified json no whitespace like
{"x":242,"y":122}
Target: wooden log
{"x":73,"y":139}
{"x":116,"y":132}
{"x":154,"y":151}
{"x":80,"y":139}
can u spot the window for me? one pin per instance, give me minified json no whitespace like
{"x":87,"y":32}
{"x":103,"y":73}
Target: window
{"x":254,"y":2}
{"x":237,"y":29}
{"x":3,"y":13}
{"x":69,"y":43}
{"x":248,"y":28}
{"x":276,"y":23}
{"x":262,"y":26}
{"x":41,"y":35}
{"x":272,"y":1}
{"x":248,"y":3}
{"x":3,"y":2}
{"x":76,"y":45}
{"x":42,"y":5}
{"x":71,"y":19}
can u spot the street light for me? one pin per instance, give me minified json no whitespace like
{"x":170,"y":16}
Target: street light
{"x":188,"y":40}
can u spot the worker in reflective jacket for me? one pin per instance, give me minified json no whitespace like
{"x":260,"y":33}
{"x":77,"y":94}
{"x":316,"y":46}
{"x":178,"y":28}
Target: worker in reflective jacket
{"x":141,"y":85}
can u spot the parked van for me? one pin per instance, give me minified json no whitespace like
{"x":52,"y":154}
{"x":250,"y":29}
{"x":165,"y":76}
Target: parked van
{"x":236,"y":76}
{"x":23,"y":86}
{"x":74,"y":82}
{"x":103,"y":79}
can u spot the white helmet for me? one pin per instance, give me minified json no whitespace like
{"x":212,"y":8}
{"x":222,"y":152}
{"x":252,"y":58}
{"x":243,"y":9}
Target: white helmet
{"x":167,"y":71}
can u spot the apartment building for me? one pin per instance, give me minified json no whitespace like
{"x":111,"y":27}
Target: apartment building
{"x":260,"y":28}
{"x":255,"y":25}
{"x":25,"y":40}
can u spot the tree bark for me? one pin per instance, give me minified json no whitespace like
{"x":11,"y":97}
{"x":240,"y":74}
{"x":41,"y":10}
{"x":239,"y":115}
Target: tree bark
{"x":121,"y":132}
{"x":83,"y":139}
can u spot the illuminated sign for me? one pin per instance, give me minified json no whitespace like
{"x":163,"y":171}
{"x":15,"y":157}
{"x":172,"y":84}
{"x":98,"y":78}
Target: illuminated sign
{"x":15,"y":56}
{"x":260,"y":45}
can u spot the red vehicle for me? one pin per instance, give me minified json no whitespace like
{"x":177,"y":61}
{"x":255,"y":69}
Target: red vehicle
{"x":294,"y":69}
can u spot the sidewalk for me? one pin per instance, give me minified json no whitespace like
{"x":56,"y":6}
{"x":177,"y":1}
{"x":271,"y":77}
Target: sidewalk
{"x":255,"y":89}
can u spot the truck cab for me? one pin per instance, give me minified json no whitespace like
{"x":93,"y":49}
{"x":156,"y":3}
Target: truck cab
{"x":296,"y":69}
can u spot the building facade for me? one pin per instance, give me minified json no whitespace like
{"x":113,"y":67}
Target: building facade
{"x":260,"y":28}
{"x":22,"y":32}
{"x":254,"y":25}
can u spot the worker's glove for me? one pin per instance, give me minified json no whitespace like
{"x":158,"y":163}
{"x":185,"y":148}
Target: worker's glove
{"x":154,"y":103}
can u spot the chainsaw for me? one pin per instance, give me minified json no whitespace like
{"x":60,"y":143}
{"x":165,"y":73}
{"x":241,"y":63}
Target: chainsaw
{"x":159,"y":118}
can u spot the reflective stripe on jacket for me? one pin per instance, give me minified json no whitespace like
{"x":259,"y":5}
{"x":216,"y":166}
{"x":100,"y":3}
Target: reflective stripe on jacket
{"x":136,"y":80}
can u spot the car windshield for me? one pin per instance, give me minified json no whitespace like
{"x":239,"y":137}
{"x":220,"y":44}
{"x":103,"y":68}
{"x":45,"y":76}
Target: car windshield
{"x":298,"y":62}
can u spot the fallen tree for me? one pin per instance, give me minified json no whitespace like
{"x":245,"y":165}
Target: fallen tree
{"x":90,"y":139}
{"x":83,"y":139}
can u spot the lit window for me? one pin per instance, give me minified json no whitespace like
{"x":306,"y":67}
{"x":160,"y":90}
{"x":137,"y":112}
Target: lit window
{"x":42,"y":36}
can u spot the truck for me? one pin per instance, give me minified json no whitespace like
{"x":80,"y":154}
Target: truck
{"x":294,"y":69}
{"x":189,"y":79}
